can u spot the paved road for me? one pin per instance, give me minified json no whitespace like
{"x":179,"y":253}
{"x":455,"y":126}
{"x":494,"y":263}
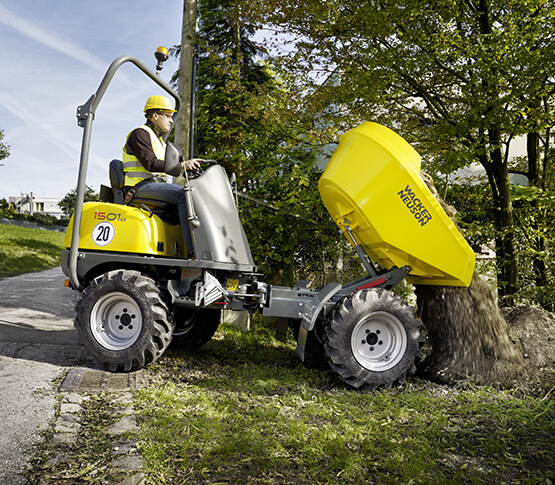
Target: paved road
{"x":37,"y":346}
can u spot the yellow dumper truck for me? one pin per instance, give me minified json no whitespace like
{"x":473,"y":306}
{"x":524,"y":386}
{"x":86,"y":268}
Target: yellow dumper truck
{"x":139,"y":292}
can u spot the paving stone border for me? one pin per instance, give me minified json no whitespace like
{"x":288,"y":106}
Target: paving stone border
{"x":76,"y":389}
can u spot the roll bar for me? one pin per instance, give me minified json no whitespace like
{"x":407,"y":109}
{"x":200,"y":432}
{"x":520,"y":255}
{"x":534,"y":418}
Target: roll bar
{"x":85,"y":117}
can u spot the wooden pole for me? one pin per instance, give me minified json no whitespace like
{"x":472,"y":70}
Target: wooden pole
{"x":185,"y":79}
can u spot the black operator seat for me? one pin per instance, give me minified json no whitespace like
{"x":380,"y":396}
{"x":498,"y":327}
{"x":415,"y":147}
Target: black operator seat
{"x":166,"y":211}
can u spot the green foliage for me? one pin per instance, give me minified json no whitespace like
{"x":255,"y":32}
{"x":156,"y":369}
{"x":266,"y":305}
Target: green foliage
{"x":474,"y":212}
{"x":460,"y":83}
{"x":226,"y":34}
{"x":67,"y":204}
{"x":24,"y":250}
{"x":290,"y":231}
{"x":8,"y":211}
{"x":460,"y":80}
{"x":246,"y":121}
{"x":534,"y":215}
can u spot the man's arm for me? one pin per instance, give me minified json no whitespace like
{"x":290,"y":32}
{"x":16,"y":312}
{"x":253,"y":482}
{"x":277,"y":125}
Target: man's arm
{"x":140,"y":145}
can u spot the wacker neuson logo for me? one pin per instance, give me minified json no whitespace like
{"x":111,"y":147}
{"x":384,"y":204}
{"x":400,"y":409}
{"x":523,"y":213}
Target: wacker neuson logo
{"x":415,"y":205}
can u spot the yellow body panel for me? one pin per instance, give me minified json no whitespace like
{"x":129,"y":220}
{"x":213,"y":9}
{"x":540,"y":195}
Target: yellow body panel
{"x":372,"y":185}
{"x":121,"y":228}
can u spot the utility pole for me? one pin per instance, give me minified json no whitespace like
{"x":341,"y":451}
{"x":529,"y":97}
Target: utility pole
{"x":185,"y":78}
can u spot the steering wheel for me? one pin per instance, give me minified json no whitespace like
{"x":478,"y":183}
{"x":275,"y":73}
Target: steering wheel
{"x":197,"y":172}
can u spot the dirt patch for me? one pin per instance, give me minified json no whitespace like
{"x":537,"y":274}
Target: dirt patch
{"x":533,"y":331}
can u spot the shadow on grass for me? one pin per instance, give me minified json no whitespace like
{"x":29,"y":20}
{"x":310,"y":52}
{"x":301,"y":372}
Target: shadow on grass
{"x":244,"y":409}
{"x":39,"y":245}
{"x":252,"y":360}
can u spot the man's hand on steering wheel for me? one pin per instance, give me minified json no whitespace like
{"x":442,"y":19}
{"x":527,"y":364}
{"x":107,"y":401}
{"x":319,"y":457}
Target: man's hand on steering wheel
{"x":192,"y":164}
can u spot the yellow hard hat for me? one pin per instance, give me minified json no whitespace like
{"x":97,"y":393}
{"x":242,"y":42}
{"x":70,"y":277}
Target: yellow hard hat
{"x":159,"y":102}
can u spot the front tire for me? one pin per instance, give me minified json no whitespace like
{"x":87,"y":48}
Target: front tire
{"x":123,"y":321}
{"x":373,"y":340}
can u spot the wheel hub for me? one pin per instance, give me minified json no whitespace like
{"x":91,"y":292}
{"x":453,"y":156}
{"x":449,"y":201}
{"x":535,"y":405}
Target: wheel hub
{"x":378,"y":341}
{"x":372,"y":338}
{"x":116,"y":321}
{"x":125,"y":319}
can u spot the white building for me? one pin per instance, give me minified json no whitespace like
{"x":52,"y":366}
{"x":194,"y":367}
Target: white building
{"x":35,"y":204}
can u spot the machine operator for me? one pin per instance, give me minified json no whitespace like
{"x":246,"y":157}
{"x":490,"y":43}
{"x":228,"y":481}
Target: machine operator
{"x":143,"y":162}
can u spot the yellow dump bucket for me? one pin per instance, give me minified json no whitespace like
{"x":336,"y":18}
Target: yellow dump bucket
{"x":372,"y":186}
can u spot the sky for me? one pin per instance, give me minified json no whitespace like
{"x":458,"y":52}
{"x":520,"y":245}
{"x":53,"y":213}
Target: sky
{"x":54,"y":55}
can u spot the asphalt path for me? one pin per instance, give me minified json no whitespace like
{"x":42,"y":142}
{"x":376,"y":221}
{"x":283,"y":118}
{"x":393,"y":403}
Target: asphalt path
{"x":38,"y":345}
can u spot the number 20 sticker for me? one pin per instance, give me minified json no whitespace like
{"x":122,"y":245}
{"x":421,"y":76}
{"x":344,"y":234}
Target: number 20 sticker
{"x":103,"y":233}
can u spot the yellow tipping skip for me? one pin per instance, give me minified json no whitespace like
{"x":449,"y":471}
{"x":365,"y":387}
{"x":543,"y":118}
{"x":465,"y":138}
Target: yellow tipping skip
{"x":372,"y":186}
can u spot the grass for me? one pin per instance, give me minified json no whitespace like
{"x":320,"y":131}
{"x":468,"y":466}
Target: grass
{"x":243,"y":410}
{"x":25,"y":250}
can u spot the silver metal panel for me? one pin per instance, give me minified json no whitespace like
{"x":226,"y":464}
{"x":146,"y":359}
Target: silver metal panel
{"x":219,"y":236}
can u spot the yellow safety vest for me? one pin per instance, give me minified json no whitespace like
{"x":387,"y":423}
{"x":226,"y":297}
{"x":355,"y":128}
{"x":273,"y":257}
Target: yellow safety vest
{"x":133,"y":169}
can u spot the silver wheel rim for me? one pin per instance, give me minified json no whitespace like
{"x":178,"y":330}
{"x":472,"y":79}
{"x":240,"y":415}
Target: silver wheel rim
{"x":116,"y":321}
{"x":379,"y":341}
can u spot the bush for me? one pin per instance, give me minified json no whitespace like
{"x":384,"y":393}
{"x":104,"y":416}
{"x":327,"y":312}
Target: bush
{"x":45,"y":219}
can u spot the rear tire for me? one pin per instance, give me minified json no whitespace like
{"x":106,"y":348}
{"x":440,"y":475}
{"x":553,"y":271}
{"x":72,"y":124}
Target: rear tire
{"x":373,"y":340}
{"x":123,"y":321}
{"x":194,"y":328}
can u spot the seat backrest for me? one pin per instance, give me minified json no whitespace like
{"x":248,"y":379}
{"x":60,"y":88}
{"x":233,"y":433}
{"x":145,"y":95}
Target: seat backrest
{"x":117,"y":177}
{"x":117,"y":180}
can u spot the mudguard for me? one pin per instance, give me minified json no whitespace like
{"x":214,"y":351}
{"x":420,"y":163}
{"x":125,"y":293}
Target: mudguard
{"x":121,"y":228}
{"x":218,"y":234}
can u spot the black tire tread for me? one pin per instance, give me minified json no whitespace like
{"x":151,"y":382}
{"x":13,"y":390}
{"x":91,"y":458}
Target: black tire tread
{"x":137,"y":355}
{"x":201,"y":332}
{"x":337,"y":339}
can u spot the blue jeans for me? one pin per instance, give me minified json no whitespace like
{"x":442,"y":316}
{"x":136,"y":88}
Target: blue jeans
{"x":171,"y":194}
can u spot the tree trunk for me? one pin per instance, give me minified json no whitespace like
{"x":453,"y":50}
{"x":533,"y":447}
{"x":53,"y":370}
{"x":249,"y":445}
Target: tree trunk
{"x":505,"y":246}
{"x":535,"y":177}
{"x":467,"y":332}
{"x":498,"y":173}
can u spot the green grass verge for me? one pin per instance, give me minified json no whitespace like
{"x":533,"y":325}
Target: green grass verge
{"x":244,"y":410}
{"x":24,"y":250}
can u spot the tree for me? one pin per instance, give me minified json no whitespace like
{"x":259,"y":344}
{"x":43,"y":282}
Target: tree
{"x":4,"y":149}
{"x":231,"y":85}
{"x":67,"y":204}
{"x":246,"y":121}
{"x":460,"y":78}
